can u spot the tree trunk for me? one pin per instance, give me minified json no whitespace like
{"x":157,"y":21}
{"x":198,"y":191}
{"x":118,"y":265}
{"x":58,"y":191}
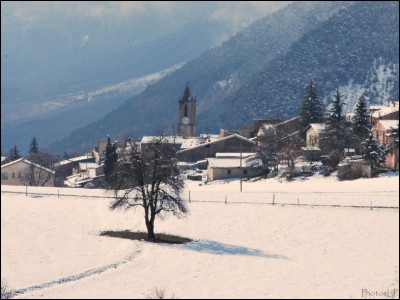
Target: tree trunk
{"x":150,"y":230}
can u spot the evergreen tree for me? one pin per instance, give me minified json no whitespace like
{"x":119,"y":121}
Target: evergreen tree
{"x":336,"y":124}
{"x":33,"y":146}
{"x":361,"y":127}
{"x":312,"y":110}
{"x":14,"y":153}
{"x":373,"y":151}
{"x":110,"y":160}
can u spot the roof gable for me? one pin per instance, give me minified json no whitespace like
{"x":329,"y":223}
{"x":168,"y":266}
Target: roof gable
{"x":219,"y":140}
{"x":29,"y":163}
{"x":318,"y":127}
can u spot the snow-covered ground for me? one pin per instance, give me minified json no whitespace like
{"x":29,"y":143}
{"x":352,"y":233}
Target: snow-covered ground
{"x":51,"y":246}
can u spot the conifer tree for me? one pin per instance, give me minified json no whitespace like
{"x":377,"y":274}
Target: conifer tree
{"x":33,"y":146}
{"x":110,"y":158}
{"x":336,"y":124}
{"x":373,"y":151}
{"x":312,"y":109}
{"x":361,"y":127}
{"x":14,"y":153}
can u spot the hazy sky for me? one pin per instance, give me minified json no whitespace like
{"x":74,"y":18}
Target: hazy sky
{"x":41,"y":40}
{"x":236,"y":12}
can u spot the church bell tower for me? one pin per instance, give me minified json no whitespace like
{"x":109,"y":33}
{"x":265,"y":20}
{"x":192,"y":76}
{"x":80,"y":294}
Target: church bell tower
{"x":187,"y":114}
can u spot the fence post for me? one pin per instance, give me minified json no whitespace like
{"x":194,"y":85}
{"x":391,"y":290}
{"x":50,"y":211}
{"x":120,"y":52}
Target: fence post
{"x":58,"y":193}
{"x":273,"y":199}
{"x":370,"y":206}
{"x":226,"y":199}
{"x":298,"y":202}
{"x":189,"y":195}
{"x":26,"y":191}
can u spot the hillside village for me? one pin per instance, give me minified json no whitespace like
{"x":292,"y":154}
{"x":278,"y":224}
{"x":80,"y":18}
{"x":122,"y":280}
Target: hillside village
{"x":249,"y":151}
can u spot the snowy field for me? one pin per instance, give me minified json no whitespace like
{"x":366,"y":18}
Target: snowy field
{"x":51,"y":248}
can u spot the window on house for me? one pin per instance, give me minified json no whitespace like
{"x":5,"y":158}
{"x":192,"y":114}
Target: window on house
{"x":229,"y":172}
{"x":4,"y":175}
{"x":19,"y":175}
{"x":185,"y":111}
{"x":13,"y":175}
{"x":244,"y":172}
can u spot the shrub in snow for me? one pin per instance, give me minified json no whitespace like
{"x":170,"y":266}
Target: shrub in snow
{"x":159,"y":293}
{"x":5,"y":292}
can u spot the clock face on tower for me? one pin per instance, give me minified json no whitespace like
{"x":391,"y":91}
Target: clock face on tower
{"x":185,"y":120}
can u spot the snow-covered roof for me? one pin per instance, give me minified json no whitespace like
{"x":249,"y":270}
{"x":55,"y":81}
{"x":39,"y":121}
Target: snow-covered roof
{"x":3,"y":158}
{"x":233,"y":154}
{"x":185,"y":143}
{"x":383,"y":110}
{"x":222,"y":163}
{"x":28,"y":162}
{"x":74,"y":159}
{"x":388,"y":124}
{"x":219,"y":140}
{"x":318,"y":127}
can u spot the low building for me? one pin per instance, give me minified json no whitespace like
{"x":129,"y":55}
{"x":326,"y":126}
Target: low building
{"x":232,"y":143}
{"x":99,"y":151}
{"x":315,"y":136}
{"x":69,"y":167}
{"x":354,"y":168}
{"x":311,"y":153}
{"x":384,"y":112}
{"x":18,"y":171}
{"x":225,"y":168}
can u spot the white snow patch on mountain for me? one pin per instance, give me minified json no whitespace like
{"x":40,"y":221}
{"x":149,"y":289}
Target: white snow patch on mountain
{"x":378,"y":88}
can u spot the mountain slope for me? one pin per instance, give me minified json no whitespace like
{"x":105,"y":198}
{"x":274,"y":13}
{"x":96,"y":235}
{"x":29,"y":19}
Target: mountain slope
{"x":57,"y":100}
{"x":212,"y":76}
{"x":356,"y":50}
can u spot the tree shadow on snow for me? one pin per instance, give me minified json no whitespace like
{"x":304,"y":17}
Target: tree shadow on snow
{"x":213,"y":247}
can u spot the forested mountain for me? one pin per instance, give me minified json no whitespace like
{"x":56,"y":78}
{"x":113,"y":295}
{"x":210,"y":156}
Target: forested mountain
{"x":356,"y":50}
{"x":214,"y":77}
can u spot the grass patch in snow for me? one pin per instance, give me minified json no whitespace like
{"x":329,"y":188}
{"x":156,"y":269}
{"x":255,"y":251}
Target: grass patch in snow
{"x":139,"y":236}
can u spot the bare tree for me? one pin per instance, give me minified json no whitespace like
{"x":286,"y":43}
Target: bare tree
{"x":40,"y":170}
{"x":36,"y":175}
{"x":290,"y":149}
{"x":6,"y":293}
{"x":267,"y":151}
{"x":150,"y":180}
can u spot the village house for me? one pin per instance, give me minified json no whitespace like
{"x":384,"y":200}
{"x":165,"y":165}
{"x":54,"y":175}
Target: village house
{"x":99,"y":151}
{"x":283,"y":128}
{"x":384,"y":112}
{"x":89,"y":175}
{"x":18,"y":171}
{"x":315,"y":135}
{"x":232,"y":143}
{"x":383,"y":132}
{"x":232,"y":165}
{"x":68,"y":167}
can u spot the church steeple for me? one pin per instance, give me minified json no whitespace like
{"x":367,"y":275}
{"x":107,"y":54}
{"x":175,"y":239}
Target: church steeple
{"x":187,"y":113}
{"x":186,"y":94}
